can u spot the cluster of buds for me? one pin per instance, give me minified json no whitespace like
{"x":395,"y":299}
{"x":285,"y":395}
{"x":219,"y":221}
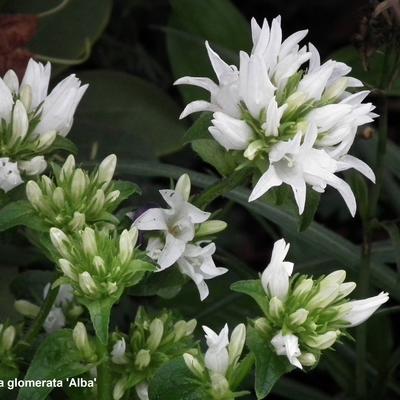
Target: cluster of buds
{"x":76,"y":198}
{"x":216,"y":370}
{"x":183,"y":236}
{"x":8,"y":334}
{"x":83,"y":343}
{"x":304,"y":316}
{"x":99,"y":263}
{"x":151,"y":343}
{"x":65,"y":309}
{"x":31,"y":120}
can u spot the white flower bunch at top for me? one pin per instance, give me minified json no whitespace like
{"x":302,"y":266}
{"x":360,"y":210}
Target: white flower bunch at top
{"x":32,"y":118}
{"x":287,"y":112}
{"x":305,"y":316}
{"x":220,"y":361}
{"x":182,"y":229}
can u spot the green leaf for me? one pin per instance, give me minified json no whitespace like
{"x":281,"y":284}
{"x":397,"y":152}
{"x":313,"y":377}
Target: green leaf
{"x":7,"y":373}
{"x":67,"y":33}
{"x":62,"y":143}
{"x":199,"y":130}
{"x":56,"y":358}
{"x":175,"y":381}
{"x":127,"y":189}
{"x":394,"y":232}
{"x":254,"y":289}
{"x":360,"y":189}
{"x":310,"y":209}
{"x":192,"y":22}
{"x":214,"y":154}
{"x":125,"y":115}
{"x":21,"y":213}
{"x":269,"y":366}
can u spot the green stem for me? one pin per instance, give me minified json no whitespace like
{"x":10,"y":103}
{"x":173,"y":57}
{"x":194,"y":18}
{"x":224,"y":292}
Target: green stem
{"x":104,"y":381}
{"x":369,"y":226}
{"x":38,"y":322}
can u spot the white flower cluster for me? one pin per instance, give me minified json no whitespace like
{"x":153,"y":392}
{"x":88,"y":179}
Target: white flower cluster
{"x":181,"y":229}
{"x":298,"y":124}
{"x":305,"y":316}
{"x":31,"y":119}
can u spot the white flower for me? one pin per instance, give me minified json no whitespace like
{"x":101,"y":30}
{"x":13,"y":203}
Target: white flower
{"x":177,"y":223}
{"x":217,"y":356}
{"x":118,"y":352}
{"x":55,"y":320}
{"x":268,"y":105}
{"x":275,"y":278}
{"x":361,"y":310}
{"x":9,"y":174}
{"x":287,"y":345}
{"x":34,"y":166}
{"x":142,"y":390}
{"x":298,"y":164}
{"x":197,"y":263}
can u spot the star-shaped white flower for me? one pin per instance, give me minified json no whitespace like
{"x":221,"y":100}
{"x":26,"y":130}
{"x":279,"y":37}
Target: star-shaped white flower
{"x":287,"y":345}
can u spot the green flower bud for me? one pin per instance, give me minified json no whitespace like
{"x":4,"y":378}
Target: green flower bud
{"x":210,"y":228}
{"x":97,"y":203}
{"x":303,"y":288}
{"x":183,"y":328}
{"x":156,"y":333}
{"x":107,"y":168}
{"x":78,"y":184}
{"x":46,"y":140}
{"x":143,"y":358}
{"x":58,"y":197}
{"x":87,"y":284}
{"x":125,"y":246}
{"x":75,"y":311}
{"x":321,"y":342}
{"x":34,"y":195}
{"x":183,"y":186}
{"x":89,"y":241}
{"x":219,"y":385}
{"x":81,"y":341}
{"x":47,"y":185}
{"x":298,"y":317}
{"x":8,"y":337}
{"x":345,"y":289}
{"x":193,"y":364}
{"x":236,"y":344}
{"x":20,"y":123}
{"x":275,"y":307}
{"x":60,"y":241}
{"x":112,"y":196}
{"x":253,"y":148}
{"x":334,"y":277}
{"x":67,"y":269}
{"x":327,"y":294}
{"x":99,"y":264}
{"x":262,"y":325}
{"x":77,"y":222}
{"x":120,"y":389}
{"x":68,"y":168}
{"x":26,"y":308}
{"x":307,"y":359}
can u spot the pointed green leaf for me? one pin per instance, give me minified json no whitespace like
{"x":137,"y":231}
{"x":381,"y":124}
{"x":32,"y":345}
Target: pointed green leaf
{"x":254,"y":289}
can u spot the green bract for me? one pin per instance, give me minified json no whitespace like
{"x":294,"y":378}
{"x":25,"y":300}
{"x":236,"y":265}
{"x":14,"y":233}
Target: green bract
{"x":76,"y":198}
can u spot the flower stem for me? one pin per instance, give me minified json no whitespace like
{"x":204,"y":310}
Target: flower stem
{"x":104,"y":387}
{"x":38,"y":322}
{"x":369,"y":226}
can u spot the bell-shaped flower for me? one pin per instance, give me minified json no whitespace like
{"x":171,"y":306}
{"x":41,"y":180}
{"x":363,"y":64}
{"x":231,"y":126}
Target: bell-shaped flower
{"x":287,"y":345}
{"x":9,"y":175}
{"x":275,"y":278}
{"x":217,"y":356}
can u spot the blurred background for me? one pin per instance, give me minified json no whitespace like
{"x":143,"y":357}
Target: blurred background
{"x":131,"y":52}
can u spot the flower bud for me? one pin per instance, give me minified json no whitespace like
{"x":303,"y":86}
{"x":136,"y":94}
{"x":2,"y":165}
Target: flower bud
{"x":20,"y":123}
{"x":236,"y":344}
{"x":345,"y":289}
{"x":112,"y":287}
{"x":60,"y":241}
{"x":10,"y":78}
{"x":107,"y":168}
{"x":99,"y":265}
{"x":253,"y":148}
{"x":295,"y":100}
{"x":87,"y":284}
{"x":8,"y":337}
{"x":142,"y":359}
{"x":298,"y":317}
{"x":183,"y":186}
{"x":78,"y":184}
{"x":44,"y":141}
{"x":34,"y":195}
{"x":112,"y":196}
{"x":47,"y":185}
{"x":193,"y":364}
{"x":67,"y":269}
{"x":77,"y":222}
{"x":25,"y":95}
{"x":334,"y":277}
{"x":275,"y":307}
{"x":326,"y":294}
{"x":97,"y":203}
{"x":89,"y":244}
{"x":307,"y":359}
{"x":34,"y":166}
{"x":120,"y":389}
{"x":68,"y":168}
{"x":210,"y":227}
{"x":304,"y":287}
{"x":156,"y":333}
{"x":262,"y":325}
{"x":125,"y":246}
{"x":219,"y":385}
{"x":118,"y":355}
{"x":81,"y":341}
{"x":134,"y":234}
{"x":26,"y":308}
{"x":142,"y":391}
{"x":335,"y":90}
{"x":183,"y":328}
{"x":321,"y":342}
{"x":58,"y":197}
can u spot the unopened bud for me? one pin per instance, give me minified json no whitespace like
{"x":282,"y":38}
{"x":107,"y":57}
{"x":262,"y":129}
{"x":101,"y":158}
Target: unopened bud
{"x":112,"y":196}
{"x":295,"y":100}
{"x":68,"y":168}
{"x":67,"y":269}
{"x":78,"y":184}
{"x":118,"y":355}
{"x":120,"y":389}
{"x":156,"y":333}
{"x":334,"y":277}
{"x":34,"y":166}
{"x":275,"y":307}
{"x":99,"y":265}
{"x":183,"y":328}
{"x":183,"y":186}
{"x":345,"y":289}
{"x":193,"y":364}
{"x":20,"y":122}
{"x":219,"y":385}
{"x":10,"y":78}
{"x":335,"y":90}
{"x":47,"y":185}
{"x":26,"y":308}
{"x":58,"y":197}
{"x":125,"y":247}
{"x":60,"y":241}
{"x":253,"y":149}
{"x":97,"y":203}
{"x":236,"y":344}
{"x":303,"y":288}
{"x":8,"y":338}
{"x":307,"y":359}
{"x":89,"y":244}
{"x":326,"y":295}
{"x":87,"y":284}
{"x":210,"y":228}
{"x":34,"y":194}
{"x":81,"y":341}
{"x":107,"y":168}
{"x":321,"y":342}
{"x":142,"y":359}
{"x":298,"y":317}
{"x":25,"y":95}
{"x":262,"y":325}
{"x":44,"y":141}
{"x":78,"y":221}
